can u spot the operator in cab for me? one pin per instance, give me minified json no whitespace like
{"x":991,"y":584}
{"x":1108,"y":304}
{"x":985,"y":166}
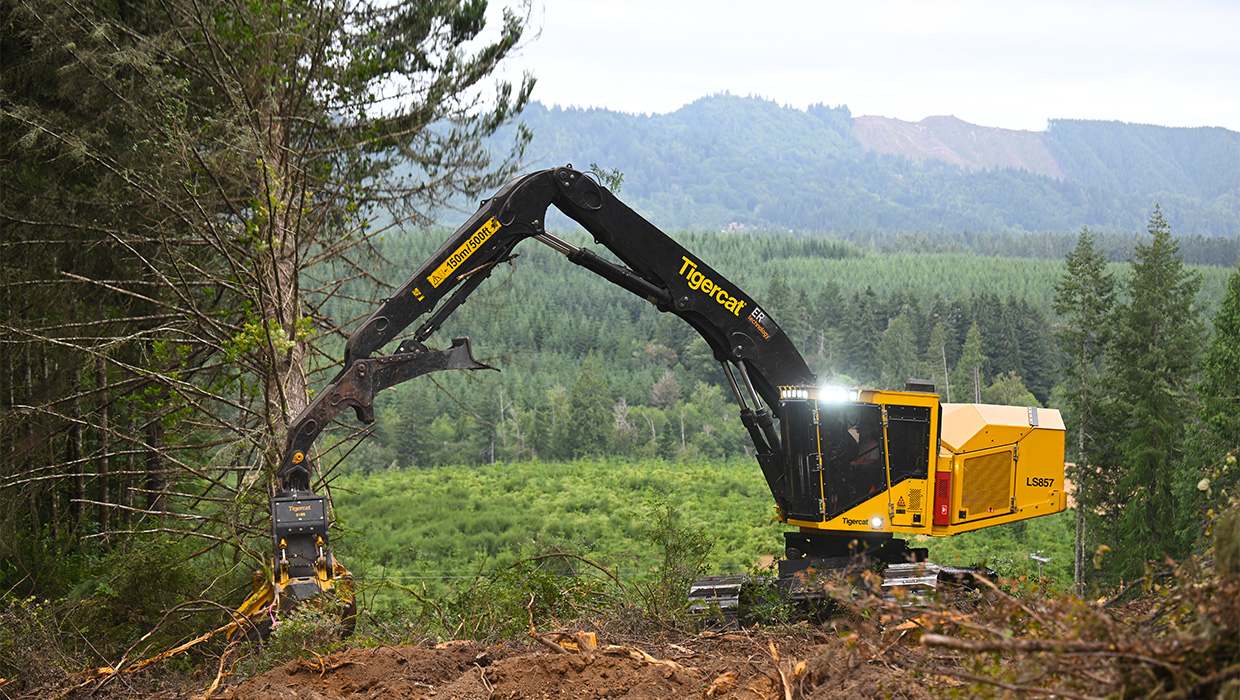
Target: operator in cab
{"x":868,"y":464}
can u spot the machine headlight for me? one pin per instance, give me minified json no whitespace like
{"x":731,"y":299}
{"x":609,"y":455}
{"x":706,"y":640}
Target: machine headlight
{"x":833,"y":394}
{"x":876,"y":522}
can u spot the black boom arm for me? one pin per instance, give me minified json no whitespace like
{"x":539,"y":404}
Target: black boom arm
{"x":739,"y":332}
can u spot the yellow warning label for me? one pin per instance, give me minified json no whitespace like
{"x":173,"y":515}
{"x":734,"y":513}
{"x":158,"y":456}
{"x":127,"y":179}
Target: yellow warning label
{"x":900,"y":502}
{"x":462,"y":253}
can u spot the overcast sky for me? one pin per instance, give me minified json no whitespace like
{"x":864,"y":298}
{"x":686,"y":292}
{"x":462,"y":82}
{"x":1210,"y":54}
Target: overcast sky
{"x":994,"y":63}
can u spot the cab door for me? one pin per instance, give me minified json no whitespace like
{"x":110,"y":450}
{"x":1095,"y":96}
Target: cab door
{"x":804,"y":458}
{"x":908,"y":431}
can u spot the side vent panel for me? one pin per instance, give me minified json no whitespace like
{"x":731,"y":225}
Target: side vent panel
{"x":987,"y":486}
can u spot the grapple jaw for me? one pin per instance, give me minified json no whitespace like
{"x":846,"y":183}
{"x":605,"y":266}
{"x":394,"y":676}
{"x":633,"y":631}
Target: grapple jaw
{"x":331,"y":592}
{"x":302,"y":569}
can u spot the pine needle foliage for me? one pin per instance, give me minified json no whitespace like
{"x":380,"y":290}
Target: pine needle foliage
{"x":1150,"y":373}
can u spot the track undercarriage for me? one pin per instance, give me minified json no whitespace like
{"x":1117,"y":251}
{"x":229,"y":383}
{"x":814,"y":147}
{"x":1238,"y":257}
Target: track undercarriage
{"x":814,"y":560}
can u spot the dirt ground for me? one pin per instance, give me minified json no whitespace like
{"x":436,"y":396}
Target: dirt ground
{"x":734,"y":666}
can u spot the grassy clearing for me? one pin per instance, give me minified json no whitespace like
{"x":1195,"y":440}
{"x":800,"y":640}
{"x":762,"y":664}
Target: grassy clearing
{"x":430,"y":528}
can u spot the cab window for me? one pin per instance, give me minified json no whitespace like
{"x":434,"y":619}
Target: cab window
{"x":908,"y":442}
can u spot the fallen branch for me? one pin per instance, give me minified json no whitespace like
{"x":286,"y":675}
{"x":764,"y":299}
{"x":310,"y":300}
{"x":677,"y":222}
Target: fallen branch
{"x":533,"y":632}
{"x":1051,"y":645}
{"x":783,"y":677}
{"x":639,"y":655}
{"x":1041,"y":645}
{"x":219,"y":675}
{"x":1147,"y":580}
{"x":566,"y":555}
{"x":1057,"y":692}
{"x":547,"y":643}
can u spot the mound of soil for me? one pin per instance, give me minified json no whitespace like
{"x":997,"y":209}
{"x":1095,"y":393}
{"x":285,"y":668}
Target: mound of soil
{"x":709,"y":666}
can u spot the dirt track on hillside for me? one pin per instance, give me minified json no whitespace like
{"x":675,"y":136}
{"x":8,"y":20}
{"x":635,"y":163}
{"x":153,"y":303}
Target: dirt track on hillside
{"x":736,"y":666}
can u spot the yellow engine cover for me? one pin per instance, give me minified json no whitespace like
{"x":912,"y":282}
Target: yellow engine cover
{"x":1005,"y":463}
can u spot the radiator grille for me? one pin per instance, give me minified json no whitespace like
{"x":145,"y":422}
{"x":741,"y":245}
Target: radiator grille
{"x":987,"y":484}
{"x":914,"y":500}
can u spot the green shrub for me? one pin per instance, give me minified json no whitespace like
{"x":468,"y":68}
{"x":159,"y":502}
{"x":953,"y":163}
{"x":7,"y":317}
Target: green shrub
{"x":496,"y":603}
{"x":682,"y":551}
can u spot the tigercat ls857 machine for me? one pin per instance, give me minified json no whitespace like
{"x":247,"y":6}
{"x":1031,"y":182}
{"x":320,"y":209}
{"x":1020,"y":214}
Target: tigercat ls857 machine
{"x":849,"y":468}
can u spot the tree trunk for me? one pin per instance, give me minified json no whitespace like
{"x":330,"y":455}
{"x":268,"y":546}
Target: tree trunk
{"x":105,"y":446}
{"x":156,"y":465}
{"x":1078,"y":576}
{"x":682,"y":432}
{"x":77,"y":507}
{"x":281,"y":188}
{"x":503,"y":429}
{"x":127,"y":487}
{"x":947,"y":382}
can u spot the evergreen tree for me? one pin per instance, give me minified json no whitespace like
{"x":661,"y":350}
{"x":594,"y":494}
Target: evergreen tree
{"x":825,"y":334}
{"x":700,"y":365}
{"x":1009,"y":390}
{"x":1035,"y":348}
{"x":952,"y":314}
{"x":778,"y":302}
{"x":591,"y":416}
{"x":898,"y":353}
{"x":1150,"y":371}
{"x":205,"y":173}
{"x":1220,"y":383}
{"x":1083,"y":299}
{"x":553,"y":438}
{"x":968,"y":377}
{"x":1215,"y":446}
{"x":798,"y":325}
{"x":934,"y":366}
{"x":827,"y":308}
{"x":907,"y":303}
{"x":999,"y":320}
{"x":864,"y":327}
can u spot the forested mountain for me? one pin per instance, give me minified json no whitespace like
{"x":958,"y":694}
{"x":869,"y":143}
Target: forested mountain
{"x":747,"y":163}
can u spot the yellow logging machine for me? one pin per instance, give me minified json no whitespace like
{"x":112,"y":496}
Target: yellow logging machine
{"x":850,"y":468}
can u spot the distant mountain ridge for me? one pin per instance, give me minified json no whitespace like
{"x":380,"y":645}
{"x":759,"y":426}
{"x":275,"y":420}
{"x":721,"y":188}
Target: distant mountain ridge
{"x":726,"y":163}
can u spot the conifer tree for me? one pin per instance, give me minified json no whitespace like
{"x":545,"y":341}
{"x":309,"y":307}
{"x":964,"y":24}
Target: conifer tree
{"x":898,"y":352}
{"x":1220,"y":382}
{"x":1150,"y":367}
{"x":1009,"y":390}
{"x":935,"y":364}
{"x":1083,"y":299}
{"x":969,"y":378}
{"x":590,"y":408}
{"x":206,"y":174}
{"x":778,"y":298}
{"x":825,"y":319}
{"x":1035,"y":348}
{"x":1217,"y":443}
{"x":864,"y":327}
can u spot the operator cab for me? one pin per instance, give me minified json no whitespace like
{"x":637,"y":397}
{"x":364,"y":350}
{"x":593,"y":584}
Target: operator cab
{"x":858,"y":460}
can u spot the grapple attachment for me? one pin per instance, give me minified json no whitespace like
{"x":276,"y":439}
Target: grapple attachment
{"x":303,"y":570}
